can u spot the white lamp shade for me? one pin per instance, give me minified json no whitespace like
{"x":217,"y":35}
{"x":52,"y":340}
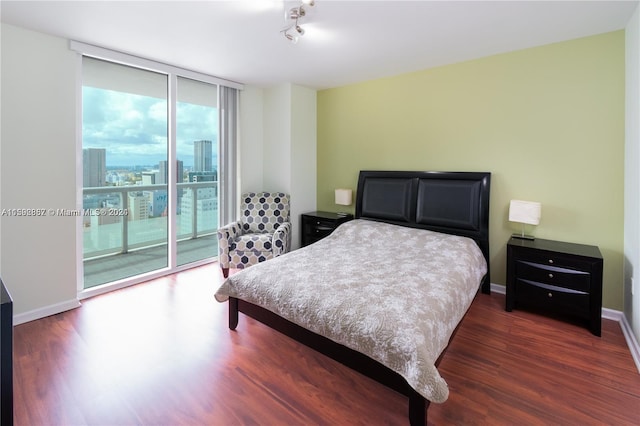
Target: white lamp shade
{"x":343,"y":196}
{"x":528,"y":212}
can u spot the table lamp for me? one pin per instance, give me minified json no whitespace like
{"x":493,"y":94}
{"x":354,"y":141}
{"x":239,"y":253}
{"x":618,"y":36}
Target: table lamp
{"x":524,"y":212}
{"x":343,"y":198}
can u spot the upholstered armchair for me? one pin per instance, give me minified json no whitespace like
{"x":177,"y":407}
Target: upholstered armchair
{"x":263,"y":231}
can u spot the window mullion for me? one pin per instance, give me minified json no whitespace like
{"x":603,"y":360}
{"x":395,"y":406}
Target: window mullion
{"x":172,"y":189}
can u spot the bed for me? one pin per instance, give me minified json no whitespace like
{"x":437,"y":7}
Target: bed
{"x":385,"y":292}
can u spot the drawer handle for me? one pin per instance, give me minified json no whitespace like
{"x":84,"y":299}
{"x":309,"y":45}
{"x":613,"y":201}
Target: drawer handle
{"x":550,"y":275}
{"x":550,"y":294}
{"x":550,"y":260}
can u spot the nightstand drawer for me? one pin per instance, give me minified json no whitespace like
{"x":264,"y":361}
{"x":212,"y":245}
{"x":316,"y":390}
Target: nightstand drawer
{"x":552,"y":297}
{"x":555,"y":259}
{"x":554,"y":275}
{"x":323,"y":225}
{"x":320,"y":230}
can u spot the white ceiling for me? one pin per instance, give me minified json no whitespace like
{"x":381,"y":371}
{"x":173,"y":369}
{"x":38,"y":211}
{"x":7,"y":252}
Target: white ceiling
{"x":345,"y":41}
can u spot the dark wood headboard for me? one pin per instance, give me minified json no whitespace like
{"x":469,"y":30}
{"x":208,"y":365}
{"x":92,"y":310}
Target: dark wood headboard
{"x":449,"y":202}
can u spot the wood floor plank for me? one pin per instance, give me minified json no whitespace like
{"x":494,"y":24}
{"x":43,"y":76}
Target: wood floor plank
{"x":161,"y":353}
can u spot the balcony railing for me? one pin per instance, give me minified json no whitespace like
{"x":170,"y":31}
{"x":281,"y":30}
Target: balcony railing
{"x":123,"y":219}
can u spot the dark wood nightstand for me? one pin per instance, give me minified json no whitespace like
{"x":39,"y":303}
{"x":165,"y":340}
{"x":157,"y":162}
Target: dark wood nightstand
{"x":317,"y":225}
{"x":558,"y":277}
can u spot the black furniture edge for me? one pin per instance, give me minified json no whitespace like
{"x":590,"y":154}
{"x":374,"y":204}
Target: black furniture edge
{"x":6,"y":357}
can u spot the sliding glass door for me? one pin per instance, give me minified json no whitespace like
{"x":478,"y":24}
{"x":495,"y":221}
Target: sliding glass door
{"x":124,"y":144}
{"x":150,"y":171}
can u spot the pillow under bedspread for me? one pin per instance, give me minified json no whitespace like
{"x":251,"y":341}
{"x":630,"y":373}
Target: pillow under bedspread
{"x":393,"y":293}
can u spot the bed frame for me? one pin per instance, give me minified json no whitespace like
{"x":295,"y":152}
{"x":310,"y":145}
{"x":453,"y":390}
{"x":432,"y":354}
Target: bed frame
{"x":450,"y":202}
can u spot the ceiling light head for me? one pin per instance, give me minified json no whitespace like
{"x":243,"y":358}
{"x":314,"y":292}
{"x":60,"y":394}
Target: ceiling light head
{"x":293,"y":38}
{"x":295,"y":13}
{"x":293,"y":33}
{"x":291,"y":14}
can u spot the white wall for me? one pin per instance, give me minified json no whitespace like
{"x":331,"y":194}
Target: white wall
{"x":1,"y":205}
{"x":280,"y":143}
{"x":38,"y":168}
{"x":251,"y":137}
{"x":632,"y":175}
{"x":303,"y":155}
{"x":277,"y":144}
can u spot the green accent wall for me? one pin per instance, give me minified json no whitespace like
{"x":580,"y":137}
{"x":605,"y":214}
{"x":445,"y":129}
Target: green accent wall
{"x":547,"y":122}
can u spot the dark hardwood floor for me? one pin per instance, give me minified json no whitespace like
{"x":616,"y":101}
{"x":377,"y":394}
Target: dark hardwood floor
{"x":160,"y":353}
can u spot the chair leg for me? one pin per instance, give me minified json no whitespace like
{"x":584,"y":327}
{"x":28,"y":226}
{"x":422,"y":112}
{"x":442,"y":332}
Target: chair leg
{"x":225,"y":272}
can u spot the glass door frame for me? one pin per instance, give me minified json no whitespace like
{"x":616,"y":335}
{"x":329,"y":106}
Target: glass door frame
{"x":172,"y":73}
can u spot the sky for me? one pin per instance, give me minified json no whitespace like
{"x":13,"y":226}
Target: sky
{"x":133,"y":128}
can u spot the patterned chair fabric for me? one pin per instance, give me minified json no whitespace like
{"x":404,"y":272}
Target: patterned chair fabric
{"x":263,"y":231}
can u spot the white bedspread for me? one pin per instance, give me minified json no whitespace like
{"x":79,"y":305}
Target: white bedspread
{"x":393,"y":293}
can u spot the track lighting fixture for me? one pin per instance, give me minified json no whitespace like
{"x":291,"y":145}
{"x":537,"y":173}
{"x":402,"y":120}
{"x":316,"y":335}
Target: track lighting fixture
{"x":294,"y":30}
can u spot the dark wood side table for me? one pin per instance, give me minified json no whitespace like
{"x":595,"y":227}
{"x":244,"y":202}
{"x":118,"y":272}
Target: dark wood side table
{"x":558,"y":277}
{"x":317,"y":225}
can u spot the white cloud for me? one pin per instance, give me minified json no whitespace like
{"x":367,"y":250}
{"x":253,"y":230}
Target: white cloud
{"x":133,"y":128}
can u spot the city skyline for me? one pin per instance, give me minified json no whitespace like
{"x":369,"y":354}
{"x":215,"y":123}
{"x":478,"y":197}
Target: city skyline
{"x":96,"y":173}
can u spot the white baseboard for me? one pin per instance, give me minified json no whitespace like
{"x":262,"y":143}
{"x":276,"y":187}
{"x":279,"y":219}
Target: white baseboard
{"x":497,"y":288}
{"x":45,"y":311}
{"x":632,"y":342}
{"x":609,"y":314}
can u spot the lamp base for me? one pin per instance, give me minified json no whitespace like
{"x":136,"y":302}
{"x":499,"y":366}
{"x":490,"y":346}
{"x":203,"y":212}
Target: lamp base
{"x":523,"y":236}
{"x":342,"y":214}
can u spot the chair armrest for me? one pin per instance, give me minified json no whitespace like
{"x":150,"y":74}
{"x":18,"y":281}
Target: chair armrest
{"x":281,"y":241}
{"x":226,"y":235}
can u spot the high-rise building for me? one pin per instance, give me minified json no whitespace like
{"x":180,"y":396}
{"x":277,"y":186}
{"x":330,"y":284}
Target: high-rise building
{"x":202,"y":156}
{"x":205,"y":206}
{"x":149,"y":178}
{"x":138,"y":206}
{"x":157,"y":202}
{"x":94,"y":167}
{"x":163,"y":172}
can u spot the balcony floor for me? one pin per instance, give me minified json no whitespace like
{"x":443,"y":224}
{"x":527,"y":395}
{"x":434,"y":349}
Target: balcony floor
{"x":112,"y":268}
